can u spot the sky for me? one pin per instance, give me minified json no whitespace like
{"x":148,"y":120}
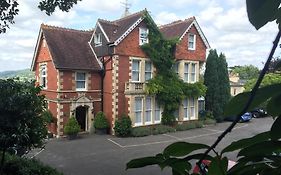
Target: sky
{"x":224,"y":23}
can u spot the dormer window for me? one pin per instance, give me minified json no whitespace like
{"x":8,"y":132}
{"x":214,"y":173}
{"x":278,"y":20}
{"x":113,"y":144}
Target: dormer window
{"x":97,"y":39}
{"x":143,"y":36}
{"x":191,"y":41}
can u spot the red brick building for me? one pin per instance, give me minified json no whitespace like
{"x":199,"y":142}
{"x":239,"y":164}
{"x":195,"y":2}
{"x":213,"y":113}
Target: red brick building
{"x":83,"y":72}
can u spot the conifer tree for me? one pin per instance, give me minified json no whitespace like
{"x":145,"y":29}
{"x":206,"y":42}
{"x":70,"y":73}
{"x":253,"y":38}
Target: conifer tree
{"x":217,"y":82}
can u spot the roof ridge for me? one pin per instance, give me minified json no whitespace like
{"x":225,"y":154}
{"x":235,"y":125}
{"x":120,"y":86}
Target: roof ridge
{"x":104,"y":20}
{"x":129,"y":16}
{"x":45,"y":26}
{"x":176,"y":22}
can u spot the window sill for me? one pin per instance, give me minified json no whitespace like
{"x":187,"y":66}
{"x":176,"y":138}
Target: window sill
{"x":81,"y":90}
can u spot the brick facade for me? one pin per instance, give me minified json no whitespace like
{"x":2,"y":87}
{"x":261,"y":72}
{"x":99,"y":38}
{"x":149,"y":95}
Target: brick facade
{"x":109,"y":88}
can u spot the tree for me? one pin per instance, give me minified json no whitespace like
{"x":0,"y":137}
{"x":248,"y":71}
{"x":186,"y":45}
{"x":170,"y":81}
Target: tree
{"x":9,"y":9}
{"x":259,"y":154}
{"x":217,"y":82}
{"x":247,"y":72}
{"x":21,"y":123}
{"x":269,"y":79}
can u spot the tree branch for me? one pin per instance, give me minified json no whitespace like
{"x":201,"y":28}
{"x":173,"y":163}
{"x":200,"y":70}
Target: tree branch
{"x":253,"y":94}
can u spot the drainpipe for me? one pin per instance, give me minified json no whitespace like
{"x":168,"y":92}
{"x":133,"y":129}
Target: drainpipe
{"x":102,"y":82}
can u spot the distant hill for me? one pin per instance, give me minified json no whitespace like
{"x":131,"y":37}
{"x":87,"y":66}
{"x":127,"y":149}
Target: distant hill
{"x":22,"y":74}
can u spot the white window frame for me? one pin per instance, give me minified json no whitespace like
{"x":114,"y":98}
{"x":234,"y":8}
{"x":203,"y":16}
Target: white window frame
{"x":193,"y":73}
{"x":157,"y":108}
{"x":192,"y":108}
{"x":136,"y":71}
{"x":186,"y":72}
{"x":97,"y":39}
{"x":191,"y":41}
{"x":185,"y":109}
{"x":148,"y":71}
{"x":138,"y":111}
{"x":148,"y":110}
{"x":43,"y":77}
{"x":85,"y":81}
{"x":143,"y":35}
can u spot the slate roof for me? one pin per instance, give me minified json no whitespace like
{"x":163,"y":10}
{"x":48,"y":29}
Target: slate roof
{"x":69,"y":48}
{"x":176,"y":28}
{"x":115,"y":29}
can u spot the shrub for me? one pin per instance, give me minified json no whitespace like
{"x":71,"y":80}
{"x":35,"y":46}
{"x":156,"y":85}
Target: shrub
{"x":209,"y":121}
{"x":48,"y":117}
{"x":141,"y":131}
{"x":71,"y":127}
{"x":24,"y":166}
{"x":198,"y":124}
{"x":100,"y":121}
{"x":162,"y":129}
{"x":123,"y":126}
{"x":185,"y":126}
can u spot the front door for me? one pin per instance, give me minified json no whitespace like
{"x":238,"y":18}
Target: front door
{"x":81,"y":116}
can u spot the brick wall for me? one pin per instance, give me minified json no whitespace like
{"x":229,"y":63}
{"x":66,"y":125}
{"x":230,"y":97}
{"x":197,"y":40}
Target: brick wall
{"x":199,"y":54}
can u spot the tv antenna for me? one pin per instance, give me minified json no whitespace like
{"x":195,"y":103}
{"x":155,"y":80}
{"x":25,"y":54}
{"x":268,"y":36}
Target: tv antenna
{"x":127,"y":6}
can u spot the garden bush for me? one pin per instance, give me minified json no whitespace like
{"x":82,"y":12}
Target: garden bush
{"x":100,"y":121}
{"x":198,"y":124}
{"x":23,"y":166}
{"x":71,"y":127}
{"x":209,"y":121}
{"x":141,"y":131}
{"x":185,"y":126}
{"x":123,"y":126}
{"x":162,"y":129}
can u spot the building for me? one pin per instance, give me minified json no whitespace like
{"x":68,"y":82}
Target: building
{"x":83,"y":72}
{"x":236,"y":85}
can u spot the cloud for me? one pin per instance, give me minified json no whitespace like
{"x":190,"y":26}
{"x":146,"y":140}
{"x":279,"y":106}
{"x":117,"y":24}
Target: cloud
{"x":224,"y":23}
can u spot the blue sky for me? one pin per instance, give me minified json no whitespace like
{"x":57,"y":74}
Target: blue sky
{"x":224,"y":23}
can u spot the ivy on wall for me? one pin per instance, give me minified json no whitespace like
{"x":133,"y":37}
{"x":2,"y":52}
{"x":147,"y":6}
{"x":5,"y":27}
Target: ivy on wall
{"x":167,"y":86}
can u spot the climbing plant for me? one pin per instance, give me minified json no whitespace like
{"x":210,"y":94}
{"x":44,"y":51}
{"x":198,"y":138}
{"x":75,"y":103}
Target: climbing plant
{"x":259,"y":154}
{"x":168,"y":88}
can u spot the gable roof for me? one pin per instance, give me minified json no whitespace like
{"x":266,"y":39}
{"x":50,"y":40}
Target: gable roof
{"x":69,"y":48}
{"x":180,"y":28}
{"x":116,"y":31}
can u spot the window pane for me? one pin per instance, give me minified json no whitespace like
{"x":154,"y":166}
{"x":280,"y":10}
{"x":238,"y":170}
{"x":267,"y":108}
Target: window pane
{"x":143,"y":36}
{"x":80,"y":84}
{"x":186,"y":69}
{"x":138,"y":110}
{"x":157,"y":112}
{"x":80,"y":76}
{"x":148,"y":70}
{"x":135,"y":70}
{"x":185,"y":108}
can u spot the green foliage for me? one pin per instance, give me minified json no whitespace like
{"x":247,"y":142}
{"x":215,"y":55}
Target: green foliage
{"x":247,"y":72}
{"x":237,"y":103}
{"x":21,"y":121}
{"x":9,"y":9}
{"x":271,"y":78}
{"x":169,"y":89}
{"x":162,"y":129}
{"x":175,"y":156}
{"x":209,"y":121}
{"x":71,"y":127}
{"x":259,"y":154}
{"x":185,"y":126}
{"x":141,"y":131}
{"x":24,"y":166}
{"x":100,"y":121}
{"x":261,"y":12}
{"x":48,"y":117}
{"x":123,"y":126}
{"x":217,"y":82}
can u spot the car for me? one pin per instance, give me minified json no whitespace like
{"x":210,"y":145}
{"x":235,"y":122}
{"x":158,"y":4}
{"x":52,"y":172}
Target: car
{"x":259,"y":112}
{"x":244,"y":118}
{"x":206,"y":163}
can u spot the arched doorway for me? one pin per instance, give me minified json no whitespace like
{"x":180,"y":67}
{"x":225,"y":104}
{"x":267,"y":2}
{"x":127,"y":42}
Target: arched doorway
{"x":81,"y":116}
